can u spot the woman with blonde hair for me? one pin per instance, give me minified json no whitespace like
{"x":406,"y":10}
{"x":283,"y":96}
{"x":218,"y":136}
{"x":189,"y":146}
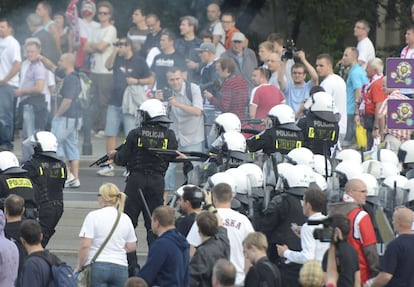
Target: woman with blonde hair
{"x":110,"y":267}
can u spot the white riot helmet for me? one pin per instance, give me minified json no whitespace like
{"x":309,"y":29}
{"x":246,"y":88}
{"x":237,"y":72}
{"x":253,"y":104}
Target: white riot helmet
{"x":349,"y":154}
{"x":153,"y":111}
{"x":44,"y":141}
{"x":254,"y":173}
{"x":409,"y":185}
{"x":320,"y":181}
{"x":240,"y":179}
{"x":283,"y":115}
{"x":9,"y":163}
{"x":321,"y":104}
{"x":373,"y":167}
{"x":319,"y":165}
{"x":301,"y":155}
{"x":221,"y":177}
{"x":385,"y":155}
{"x":346,"y":170}
{"x":389,"y":169}
{"x":227,"y":122}
{"x":406,"y":153}
{"x":234,"y":141}
{"x":296,"y":180}
{"x":283,"y":168}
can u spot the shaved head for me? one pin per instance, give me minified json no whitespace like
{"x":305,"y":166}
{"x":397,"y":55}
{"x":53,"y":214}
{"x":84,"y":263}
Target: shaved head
{"x":357,"y":189}
{"x":403,"y":217}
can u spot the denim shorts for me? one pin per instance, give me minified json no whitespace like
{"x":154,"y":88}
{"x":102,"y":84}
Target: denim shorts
{"x":115,"y":118}
{"x":66,"y":131}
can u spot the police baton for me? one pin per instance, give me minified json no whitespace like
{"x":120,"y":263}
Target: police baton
{"x":144,"y":201}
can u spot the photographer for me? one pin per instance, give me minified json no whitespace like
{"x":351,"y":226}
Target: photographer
{"x":340,"y":262}
{"x":185,"y":108}
{"x":314,"y":200}
{"x":297,"y":91}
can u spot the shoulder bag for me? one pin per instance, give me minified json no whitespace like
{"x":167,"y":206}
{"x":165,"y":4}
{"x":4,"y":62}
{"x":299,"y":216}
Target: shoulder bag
{"x":84,"y":277}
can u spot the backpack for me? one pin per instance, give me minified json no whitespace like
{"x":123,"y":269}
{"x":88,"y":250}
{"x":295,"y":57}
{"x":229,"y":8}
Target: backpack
{"x":85,"y":95}
{"x":62,"y":274}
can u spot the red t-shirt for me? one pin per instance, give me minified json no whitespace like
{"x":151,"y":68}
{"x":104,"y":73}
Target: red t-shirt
{"x":362,"y":234}
{"x":266,"y":97}
{"x":374,"y":95}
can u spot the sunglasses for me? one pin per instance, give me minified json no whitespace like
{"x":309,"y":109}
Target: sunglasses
{"x":119,"y":44}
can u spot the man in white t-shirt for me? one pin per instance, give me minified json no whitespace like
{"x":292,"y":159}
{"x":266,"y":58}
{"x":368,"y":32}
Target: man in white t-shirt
{"x":366,"y":50}
{"x":335,"y":86}
{"x":10,"y":61}
{"x":408,"y":53}
{"x":100,"y":47}
{"x":214,"y":25}
{"x":238,"y":227}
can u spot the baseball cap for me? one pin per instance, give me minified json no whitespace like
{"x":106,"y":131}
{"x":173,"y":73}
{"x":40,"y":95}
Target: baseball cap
{"x":207,"y":47}
{"x":238,"y":36}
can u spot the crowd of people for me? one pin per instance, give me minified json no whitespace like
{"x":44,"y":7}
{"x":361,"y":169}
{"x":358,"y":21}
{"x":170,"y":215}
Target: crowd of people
{"x":301,"y":212}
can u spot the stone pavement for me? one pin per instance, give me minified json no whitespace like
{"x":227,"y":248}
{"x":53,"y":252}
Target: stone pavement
{"x":65,"y":242}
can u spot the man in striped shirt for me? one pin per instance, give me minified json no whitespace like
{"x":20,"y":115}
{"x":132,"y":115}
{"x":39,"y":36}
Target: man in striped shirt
{"x":392,"y":137}
{"x":234,"y":92}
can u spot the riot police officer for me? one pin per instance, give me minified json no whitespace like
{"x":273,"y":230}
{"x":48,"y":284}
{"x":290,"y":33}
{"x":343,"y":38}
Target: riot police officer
{"x":285,"y":210}
{"x":48,"y":174}
{"x":282,"y":136}
{"x":147,"y":169}
{"x":15,"y":180}
{"x":320,"y":126}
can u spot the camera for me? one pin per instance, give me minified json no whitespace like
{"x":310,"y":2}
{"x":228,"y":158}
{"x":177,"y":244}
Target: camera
{"x":290,"y":50}
{"x":167,"y":93}
{"x":324,"y":234}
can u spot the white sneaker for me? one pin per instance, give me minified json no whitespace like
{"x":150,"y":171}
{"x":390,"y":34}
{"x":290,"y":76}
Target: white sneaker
{"x":126,"y":173}
{"x":73,"y":183}
{"x":100,"y":134}
{"x":106,"y":170}
{"x":69,"y":178}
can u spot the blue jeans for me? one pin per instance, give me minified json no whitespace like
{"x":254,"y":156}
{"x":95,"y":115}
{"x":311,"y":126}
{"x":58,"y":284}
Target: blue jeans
{"x":170,"y":174}
{"x":28,"y":129}
{"x":66,"y":132}
{"x":105,"y":274}
{"x":115,"y":118}
{"x":6,"y":115}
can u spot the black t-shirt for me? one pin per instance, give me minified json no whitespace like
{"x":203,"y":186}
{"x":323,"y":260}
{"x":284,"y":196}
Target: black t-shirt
{"x":135,"y":67}
{"x":263,"y":273}
{"x":348,"y":263}
{"x":397,"y":261}
{"x":162,"y":63}
{"x":71,"y":89}
{"x":184,"y":223}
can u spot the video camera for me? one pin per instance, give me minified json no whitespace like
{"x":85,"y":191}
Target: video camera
{"x":290,"y":50}
{"x":326,"y":233}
